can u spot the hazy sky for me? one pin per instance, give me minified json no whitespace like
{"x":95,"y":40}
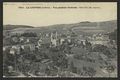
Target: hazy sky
{"x":13,"y":14}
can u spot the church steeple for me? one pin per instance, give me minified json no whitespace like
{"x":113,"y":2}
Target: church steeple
{"x":54,"y":38}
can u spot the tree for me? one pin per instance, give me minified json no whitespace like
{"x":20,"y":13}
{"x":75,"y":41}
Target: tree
{"x":30,"y":34}
{"x":110,"y":69}
{"x":14,"y":40}
{"x":25,"y":61}
{"x":113,"y":35}
{"x":73,"y":68}
{"x":110,"y":53}
{"x":89,"y":71}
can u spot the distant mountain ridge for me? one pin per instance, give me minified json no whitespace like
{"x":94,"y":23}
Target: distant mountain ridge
{"x":10,"y":27}
{"x":86,"y":26}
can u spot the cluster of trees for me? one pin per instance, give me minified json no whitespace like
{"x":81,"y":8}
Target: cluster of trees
{"x":30,"y":34}
{"x":81,"y":57}
{"x":23,"y":62}
{"x":84,"y":71}
{"x":89,"y":71}
{"x":15,"y":39}
{"x":113,"y":35}
{"x":105,"y":50}
{"x":25,"y":34}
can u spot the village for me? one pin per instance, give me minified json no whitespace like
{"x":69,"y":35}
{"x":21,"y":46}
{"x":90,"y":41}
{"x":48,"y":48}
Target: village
{"x":58,"y":55}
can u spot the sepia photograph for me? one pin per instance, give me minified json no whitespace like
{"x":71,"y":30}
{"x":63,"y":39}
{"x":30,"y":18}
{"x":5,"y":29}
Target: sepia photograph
{"x":60,"y":39}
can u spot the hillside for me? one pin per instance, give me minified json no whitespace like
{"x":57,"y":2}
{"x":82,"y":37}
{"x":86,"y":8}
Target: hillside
{"x":10,"y":27}
{"x":81,"y":27}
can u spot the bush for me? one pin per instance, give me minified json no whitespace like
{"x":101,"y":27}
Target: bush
{"x":110,"y":53}
{"x":29,"y":34}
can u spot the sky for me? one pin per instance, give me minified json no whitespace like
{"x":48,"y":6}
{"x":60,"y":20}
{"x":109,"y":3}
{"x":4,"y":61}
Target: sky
{"x":24,"y":14}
